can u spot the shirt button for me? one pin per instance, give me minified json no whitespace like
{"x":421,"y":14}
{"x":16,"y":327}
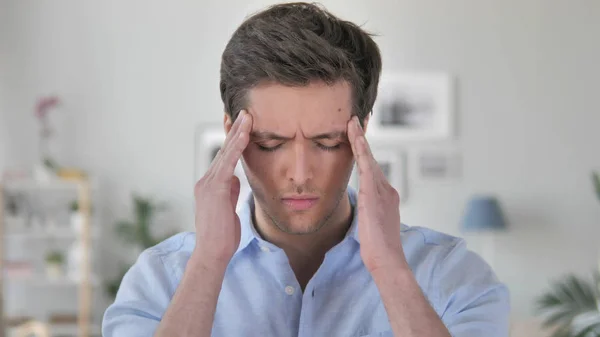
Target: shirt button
{"x":265,"y":249}
{"x":289,"y":290}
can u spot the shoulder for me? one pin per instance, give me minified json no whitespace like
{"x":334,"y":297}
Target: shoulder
{"x":172,"y":253}
{"x":450,"y":272}
{"x":425,"y":245}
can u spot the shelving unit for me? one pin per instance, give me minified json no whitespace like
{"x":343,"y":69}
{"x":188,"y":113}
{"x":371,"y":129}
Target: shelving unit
{"x":85,"y":284}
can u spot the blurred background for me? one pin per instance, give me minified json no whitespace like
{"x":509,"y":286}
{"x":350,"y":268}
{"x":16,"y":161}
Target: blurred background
{"x":117,"y":91}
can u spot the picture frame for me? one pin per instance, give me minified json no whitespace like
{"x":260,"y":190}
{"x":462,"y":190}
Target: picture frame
{"x":413,"y":106}
{"x":438,"y":164}
{"x":208,"y":139}
{"x":394,"y":164}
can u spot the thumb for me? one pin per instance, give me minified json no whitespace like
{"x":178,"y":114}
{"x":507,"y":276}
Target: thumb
{"x":235,"y":191}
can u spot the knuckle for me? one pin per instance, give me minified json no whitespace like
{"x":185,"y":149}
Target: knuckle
{"x":199,"y":186}
{"x":395,"y":195}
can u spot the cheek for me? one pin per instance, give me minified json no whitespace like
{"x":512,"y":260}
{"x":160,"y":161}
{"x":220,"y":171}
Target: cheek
{"x":258,"y":163}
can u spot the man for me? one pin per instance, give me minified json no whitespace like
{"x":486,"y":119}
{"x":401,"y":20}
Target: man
{"x":307,"y":256}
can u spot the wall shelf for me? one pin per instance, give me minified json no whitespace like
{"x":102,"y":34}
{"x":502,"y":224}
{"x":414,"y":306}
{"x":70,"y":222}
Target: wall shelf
{"x":82,"y":188}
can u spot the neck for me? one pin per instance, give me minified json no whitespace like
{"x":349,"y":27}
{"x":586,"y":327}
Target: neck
{"x":307,"y":246}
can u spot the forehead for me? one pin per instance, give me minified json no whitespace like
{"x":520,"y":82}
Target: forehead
{"x":317,"y":107}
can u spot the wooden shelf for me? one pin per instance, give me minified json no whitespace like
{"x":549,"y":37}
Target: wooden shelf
{"x":83,"y":188}
{"x":65,"y":329}
{"x":37,"y":280}
{"x":45,"y":234}
{"x":27,"y":184}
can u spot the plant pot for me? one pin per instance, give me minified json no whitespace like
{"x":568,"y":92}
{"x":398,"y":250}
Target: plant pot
{"x":41,"y":173}
{"x":75,"y":259}
{"x":77,"y":222}
{"x":54,"y":270}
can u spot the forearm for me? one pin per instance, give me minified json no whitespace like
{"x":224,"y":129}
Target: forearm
{"x":192,"y":310}
{"x":408,"y":310}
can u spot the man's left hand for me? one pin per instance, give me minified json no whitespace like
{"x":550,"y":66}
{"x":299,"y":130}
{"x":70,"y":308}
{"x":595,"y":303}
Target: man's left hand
{"x":378,"y":209}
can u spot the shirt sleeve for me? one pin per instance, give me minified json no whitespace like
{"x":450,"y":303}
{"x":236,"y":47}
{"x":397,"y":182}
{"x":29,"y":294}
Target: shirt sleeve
{"x":142,"y":298}
{"x":473,"y":302}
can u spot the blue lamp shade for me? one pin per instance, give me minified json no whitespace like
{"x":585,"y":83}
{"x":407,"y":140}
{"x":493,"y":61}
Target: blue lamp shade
{"x":483,"y":213}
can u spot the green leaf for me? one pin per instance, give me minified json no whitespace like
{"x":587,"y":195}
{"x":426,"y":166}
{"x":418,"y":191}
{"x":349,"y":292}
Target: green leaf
{"x":567,"y":300}
{"x":596,"y":181}
{"x":127,"y":231}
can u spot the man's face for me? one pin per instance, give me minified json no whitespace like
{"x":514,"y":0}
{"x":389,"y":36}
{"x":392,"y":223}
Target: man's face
{"x":299,"y":161}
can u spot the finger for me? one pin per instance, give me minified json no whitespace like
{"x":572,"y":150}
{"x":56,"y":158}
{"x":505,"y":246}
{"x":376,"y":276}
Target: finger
{"x":380,"y":179}
{"x":232,"y":132}
{"x":351,"y":132}
{"x":234,"y":150}
{"x":365,"y":167}
{"x":235,"y":191}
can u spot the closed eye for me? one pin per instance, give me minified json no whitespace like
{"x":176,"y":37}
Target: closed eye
{"x":268,"y":148}
{"x":328,"y":147}
{"x":321,"y":146}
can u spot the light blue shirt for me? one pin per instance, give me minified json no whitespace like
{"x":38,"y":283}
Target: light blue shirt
{"x":261,"y":297}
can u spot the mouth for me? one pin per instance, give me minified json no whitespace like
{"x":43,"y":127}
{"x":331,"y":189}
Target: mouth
{"x":300,"y":203}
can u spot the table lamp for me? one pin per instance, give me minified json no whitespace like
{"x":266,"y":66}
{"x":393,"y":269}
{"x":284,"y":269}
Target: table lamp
{"x":483,"y":216}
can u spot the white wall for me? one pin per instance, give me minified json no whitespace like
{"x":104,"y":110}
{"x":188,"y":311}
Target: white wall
{"x":3,"y":63}
{"x":139,"y":76}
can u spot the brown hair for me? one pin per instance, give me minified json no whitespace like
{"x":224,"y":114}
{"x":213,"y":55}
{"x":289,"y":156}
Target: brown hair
{"x":294,"y":44}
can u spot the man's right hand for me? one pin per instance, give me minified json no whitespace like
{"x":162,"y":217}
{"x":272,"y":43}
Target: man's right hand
{"x":216,"y":194}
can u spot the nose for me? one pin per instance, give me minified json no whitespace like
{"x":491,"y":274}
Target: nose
{"x":299,"y":170}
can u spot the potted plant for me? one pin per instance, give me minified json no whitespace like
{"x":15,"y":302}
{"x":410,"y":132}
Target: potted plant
{"x":46,"y":169}
{"x":137,"y":233}
{"x":54,"y":264}
{"x":571,"y":307}
{"x":76,"y":216}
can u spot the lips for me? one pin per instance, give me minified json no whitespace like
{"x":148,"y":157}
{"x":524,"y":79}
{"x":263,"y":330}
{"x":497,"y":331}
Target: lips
{"x":300,"y":203}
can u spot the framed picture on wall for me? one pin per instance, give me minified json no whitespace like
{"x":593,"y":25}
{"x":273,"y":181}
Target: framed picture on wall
{"x":209,"y":138}
{"x":393,"y":163}
{"x":413,"y":106}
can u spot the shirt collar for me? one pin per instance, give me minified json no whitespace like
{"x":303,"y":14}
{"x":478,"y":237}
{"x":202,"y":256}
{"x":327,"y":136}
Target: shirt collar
{"x":249,"y":233}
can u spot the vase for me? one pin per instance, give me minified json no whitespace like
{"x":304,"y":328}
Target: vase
{"x":77,"y":222}
{"x":41,"y":173}
{"x":75,"y":260}
{"x":54,"y":270}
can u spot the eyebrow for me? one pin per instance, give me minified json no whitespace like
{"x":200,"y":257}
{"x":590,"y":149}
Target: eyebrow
{"x":267,"y":135}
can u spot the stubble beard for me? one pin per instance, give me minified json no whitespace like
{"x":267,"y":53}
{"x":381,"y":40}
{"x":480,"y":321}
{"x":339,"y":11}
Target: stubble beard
{"x":286,"y":227}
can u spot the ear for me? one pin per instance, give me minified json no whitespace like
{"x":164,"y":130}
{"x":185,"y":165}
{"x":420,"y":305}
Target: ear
{"x":227,"y":123}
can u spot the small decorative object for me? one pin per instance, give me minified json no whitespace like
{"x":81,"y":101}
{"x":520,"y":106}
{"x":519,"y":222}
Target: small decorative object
{"x":392,"y":162}
{"x":14,"y":219}
{"x":413,"y":106}
{"x":18,"y":269}
{"x":75,"y":260}
{"x":33,"y":329}
{"x":484,"y":217}
{"x":46,"y":169}
{"x":76,"y":217}
{"x":54,"y":264}
{"x":71,"y":173}
{"x":439,"y":164}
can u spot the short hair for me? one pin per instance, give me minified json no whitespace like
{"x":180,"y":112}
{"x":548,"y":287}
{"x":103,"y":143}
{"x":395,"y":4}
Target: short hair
{"x":294,"y":44}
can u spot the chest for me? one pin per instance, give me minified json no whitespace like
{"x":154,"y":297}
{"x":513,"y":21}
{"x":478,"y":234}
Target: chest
{"x":261,"y":297}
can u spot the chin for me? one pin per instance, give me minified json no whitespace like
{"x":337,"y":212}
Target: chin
{"x":305,"y":222}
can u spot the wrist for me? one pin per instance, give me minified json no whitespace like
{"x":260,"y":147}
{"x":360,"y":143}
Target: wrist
{"x":206,"y":263}
{"x":391,"y":268}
